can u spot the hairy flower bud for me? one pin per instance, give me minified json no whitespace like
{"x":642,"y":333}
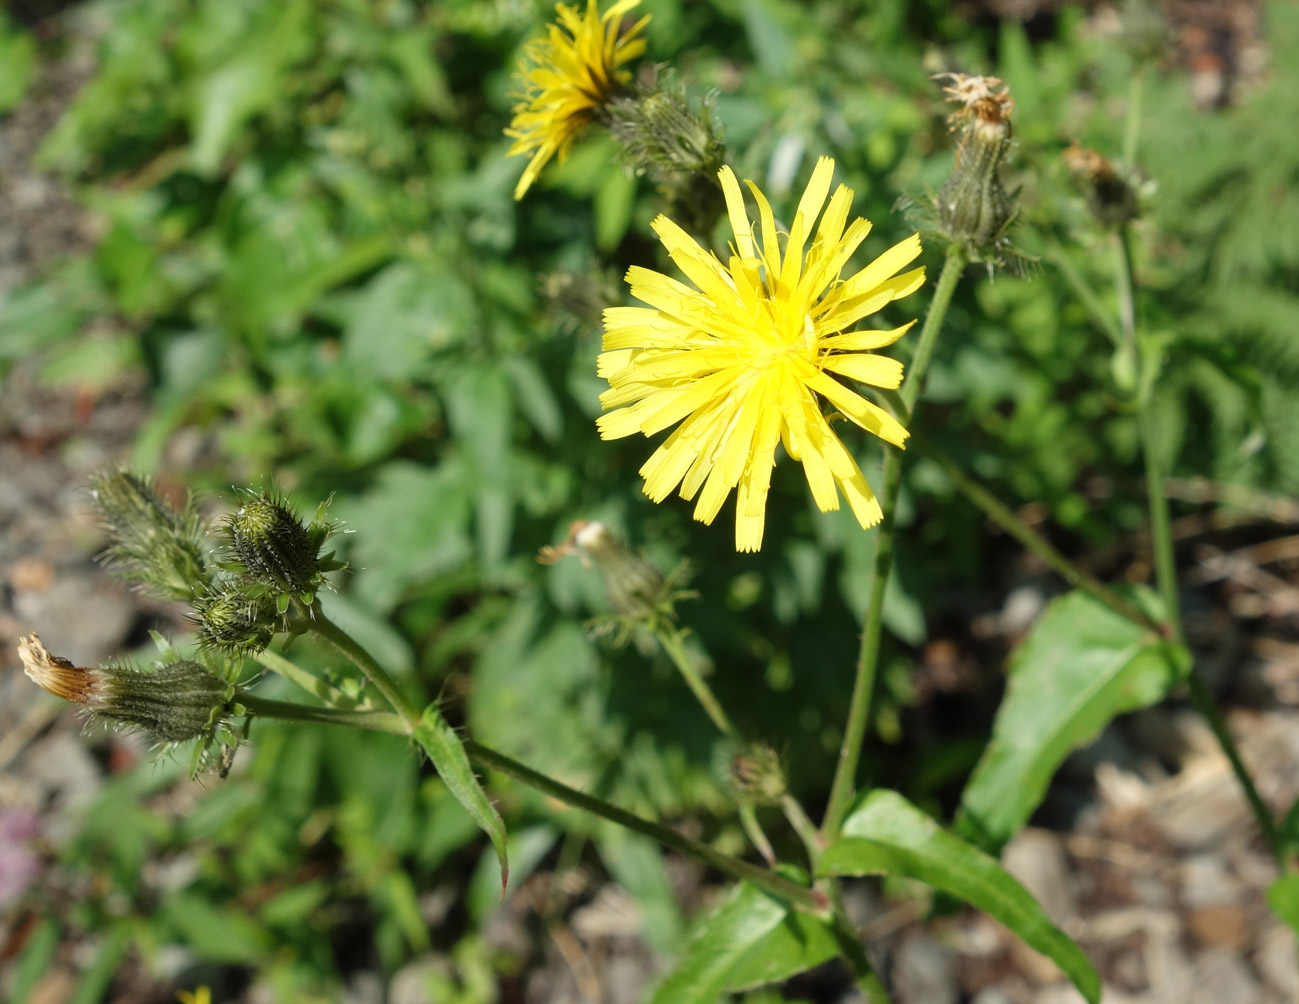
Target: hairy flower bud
{"x":756,"y":775}
{"x":153,"y":544}
{"x":667,"y":137}
{"x":973,"y":207}
{"x":275,"y":549}
{"x":174,"y":702}
{"x":233,"y":622}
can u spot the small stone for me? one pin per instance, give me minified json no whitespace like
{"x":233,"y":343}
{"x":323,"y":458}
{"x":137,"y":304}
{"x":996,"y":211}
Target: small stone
{"x":992,"y":995}
{"x":924,"y":973}
{"x":1219,"y":925}
{"x":1207,"y":882}
{"x":1276,"y":960}
{"x":1221,"y":977}
{"x":1036,"y":858}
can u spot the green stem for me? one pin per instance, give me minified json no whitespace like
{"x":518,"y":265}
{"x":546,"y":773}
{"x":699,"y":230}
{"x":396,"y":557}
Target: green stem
{"x":776,"y":885}
{"x":1008,"y":520}
{"x":289,"y":711}
{"x":1161,"y":542}
{"x":1161,"y":534}
{"x":364,"y":661}
{"x":753,"y":829}
{"x":670,"y":639}
{"x":1086,"y":295}
{"x":1203,"y":702}
{"x":804,"y":827}
{"x":1123,"y":287}
{"x":1132,"y":127}
{"x":672,"y":643}
{"x":309,"y":682}
{"x":868,"y":654}
{"x":852,"y":951}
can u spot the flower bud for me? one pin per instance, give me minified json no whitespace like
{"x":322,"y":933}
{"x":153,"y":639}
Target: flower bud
{"x":273,"y":546}
{"x":677,"y":145}
{"x":1112,"y":200}
{"x":973,"y":207}
{"x":233,"y":622}
{"x":153,"y":544}
{"x":174,"y":702}
{"x":756,"y":775}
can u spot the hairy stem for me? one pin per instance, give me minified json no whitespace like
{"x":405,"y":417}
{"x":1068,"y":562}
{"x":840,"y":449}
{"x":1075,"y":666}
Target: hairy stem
{"x":289,"y":711}
{"x":670,"y":639}
{"x":365,"y":662}
{"x":1008,"y":520}
{"x":863,"y":690}
{"x":1161,"y":542}
{"x":309,"y":682}
{"x":783,"y":888}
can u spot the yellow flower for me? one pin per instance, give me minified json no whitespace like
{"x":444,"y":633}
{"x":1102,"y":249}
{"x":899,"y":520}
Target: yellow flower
{"x":200,"y":996}
{"x":740,"y":357}
{"x":567,"y":77}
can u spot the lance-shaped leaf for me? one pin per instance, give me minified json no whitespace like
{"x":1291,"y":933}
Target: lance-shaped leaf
{"x":1081,"y":665}
{"x":719,"y":944}
{"x":440,"y":742}
{"x":799,"y":942}
{"x":887,"y":835}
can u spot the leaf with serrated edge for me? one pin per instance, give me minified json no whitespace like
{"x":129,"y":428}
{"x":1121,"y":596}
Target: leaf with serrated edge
{"x":719,"y":943}
{"x":440,"y":742}
{"x":1081,"y":665}
{"x":887,"y":835}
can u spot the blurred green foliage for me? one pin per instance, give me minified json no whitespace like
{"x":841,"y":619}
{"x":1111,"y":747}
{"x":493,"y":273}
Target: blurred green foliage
{"x":308,"y":244}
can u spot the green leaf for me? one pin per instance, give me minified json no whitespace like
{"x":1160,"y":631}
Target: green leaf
{"x":35,"y":960}
{"x":1283,"y":898}
{"x":1081,"y":665}
{"x":17,"y":63}
{"x":796,"y":944}
{"x":887,"y":835}
{"x":441,"y":743}
{"x":723,"y":939}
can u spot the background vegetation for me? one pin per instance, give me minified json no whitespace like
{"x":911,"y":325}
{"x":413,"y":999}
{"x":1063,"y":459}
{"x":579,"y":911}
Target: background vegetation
{"x":307,"y":245}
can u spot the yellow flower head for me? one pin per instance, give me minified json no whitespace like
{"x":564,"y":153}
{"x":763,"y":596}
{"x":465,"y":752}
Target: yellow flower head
{"x":567,"y":77}
{"x":740,"y":357}
{"x":200,"y":996}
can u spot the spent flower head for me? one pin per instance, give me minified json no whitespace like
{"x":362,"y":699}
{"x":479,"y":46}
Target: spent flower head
{"x":567,"y":78}
{"x":973,"y":211}
{"x":173,"y":702}
{"x":153,"y":545}
{"x":741,"y":356}
{"x":1111,"y":196}
{"x":642,"y":598}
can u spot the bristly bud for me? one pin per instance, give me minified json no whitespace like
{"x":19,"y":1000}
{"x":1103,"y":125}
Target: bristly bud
{"x":277,"y":554}
{"x":677,"y":144}
{"x":973,"y":207}
{"x":756,"y":775}
{"x":577,"y":300}
{"x":972,"y":210}
{"x":233,"y":622}
{"x":640,"y":595}
{"x":153,"y":544}
{"x":1110,"y":196}
{"x":174,"y":702}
